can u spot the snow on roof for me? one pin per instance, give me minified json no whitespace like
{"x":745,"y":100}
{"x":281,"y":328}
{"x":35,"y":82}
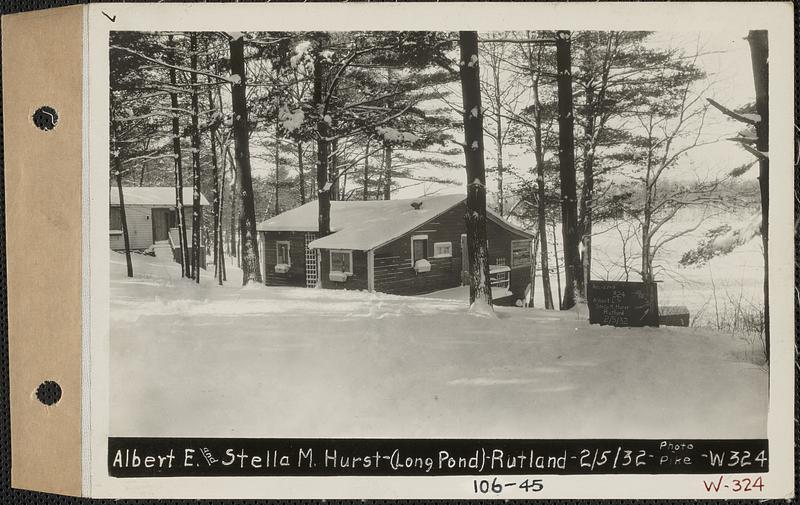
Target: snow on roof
{"x":365,"y":225}
{"x":156,"y":196}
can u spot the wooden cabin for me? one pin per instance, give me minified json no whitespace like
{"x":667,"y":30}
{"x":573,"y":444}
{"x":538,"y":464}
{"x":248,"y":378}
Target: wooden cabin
{"x":151,"y":216}
{"x":403,"y":247}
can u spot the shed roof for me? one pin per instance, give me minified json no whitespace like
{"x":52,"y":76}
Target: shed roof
{"x":150,"y":195}
{"x":365,"y":225}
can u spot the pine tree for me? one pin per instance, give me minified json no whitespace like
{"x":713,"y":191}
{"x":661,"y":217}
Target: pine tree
{"x":539,"y":119}
{"x":197,"y":215}
{"x":759,"y":53}
{"x":480,"y":292}
{"x":573,"y":273}
{"x":117,"y":173}
{"x":351,"y":101}
{"x":251,"y":271}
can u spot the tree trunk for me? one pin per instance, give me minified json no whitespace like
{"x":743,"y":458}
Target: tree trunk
{"x":123,"y":218}
{"x":233,"y":248}
{"x":480,"y":292}
{"x":533,"y":268}
{"x":197,"y":211}
{"x":323,"y":186}
{"x":301,"y":175}
{"x":499,"y":133}
{"x":558,"y":268}
{"x":215,"y":196}
{"x":342,"y":183}
{"x":247,"y":222}
{"x":141,"y":175}
{"x":225,"y":155}
{"x":387,"y":172}
{"x":647,"y":259}
{"x":541,"y":212}
{"x":759,"y":53}
{"x":587,"y":192}
{"x":647,"y":270}
{"x":541,"y":204}
{"x":366,"y":174}
{"x":277,"y":169}
{"x":387,"y":150}
{"x":381,"y":172}
{"x":176,"y":153}
{"x":333,"y":167}
{"x":573,"y":270}
{"x":221,"y":243}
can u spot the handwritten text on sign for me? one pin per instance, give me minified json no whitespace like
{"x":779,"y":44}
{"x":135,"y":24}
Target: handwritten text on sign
{"x":623,"y":303}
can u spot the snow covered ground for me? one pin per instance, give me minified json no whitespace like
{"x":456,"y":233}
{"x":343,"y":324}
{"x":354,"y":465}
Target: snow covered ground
{"x":259,"y":361}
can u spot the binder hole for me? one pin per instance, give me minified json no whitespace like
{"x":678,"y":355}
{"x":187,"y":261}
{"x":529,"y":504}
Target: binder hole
{"x":48,"y":392}
{"x":45,"y":118}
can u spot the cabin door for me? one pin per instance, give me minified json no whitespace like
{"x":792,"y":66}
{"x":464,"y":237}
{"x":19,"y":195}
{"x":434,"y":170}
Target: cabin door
{"x":161,"y":223}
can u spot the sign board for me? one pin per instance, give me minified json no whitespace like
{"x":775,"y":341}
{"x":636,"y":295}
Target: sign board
{"x":623,"y":303}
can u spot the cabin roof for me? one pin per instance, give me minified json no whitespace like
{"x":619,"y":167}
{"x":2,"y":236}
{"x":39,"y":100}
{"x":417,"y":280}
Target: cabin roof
{"x":365,"y":225}
{"x":154,"y":196}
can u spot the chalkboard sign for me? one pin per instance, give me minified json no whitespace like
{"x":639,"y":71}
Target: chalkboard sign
{"x":623,"y":303}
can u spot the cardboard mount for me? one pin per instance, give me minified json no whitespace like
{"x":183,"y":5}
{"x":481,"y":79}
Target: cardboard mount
{"x":43,"y":66}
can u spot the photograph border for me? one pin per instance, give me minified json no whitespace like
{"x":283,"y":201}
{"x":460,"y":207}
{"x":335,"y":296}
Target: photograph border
{"x":249,"y":17}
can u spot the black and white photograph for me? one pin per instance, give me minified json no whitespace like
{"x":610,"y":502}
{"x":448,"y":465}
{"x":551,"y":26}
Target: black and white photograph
{"x":419,"y":251}
{"x":527,"y":234}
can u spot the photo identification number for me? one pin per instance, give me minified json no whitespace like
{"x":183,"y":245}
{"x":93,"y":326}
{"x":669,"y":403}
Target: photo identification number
{"x":497,"y":486}
{"x":735,"y":484}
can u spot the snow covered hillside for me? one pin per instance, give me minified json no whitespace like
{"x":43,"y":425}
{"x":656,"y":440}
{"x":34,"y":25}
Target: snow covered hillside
{"x":738,"y":275}
{"x":189,"y":360}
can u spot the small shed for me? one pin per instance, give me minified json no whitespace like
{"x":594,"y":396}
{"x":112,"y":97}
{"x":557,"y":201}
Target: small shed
{"x":150,"y":214}
{"x":404,"y":247}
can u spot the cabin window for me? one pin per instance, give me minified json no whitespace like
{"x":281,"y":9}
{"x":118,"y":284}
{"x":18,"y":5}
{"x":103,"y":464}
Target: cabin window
{"x":342,"y":261}
{"x":499,"y":276}
{"x":442,"y":249}
{"x":282,"y":248}
{"x":520,"y":253}
{"x":116,"y":219}
{"x":419,"y":248}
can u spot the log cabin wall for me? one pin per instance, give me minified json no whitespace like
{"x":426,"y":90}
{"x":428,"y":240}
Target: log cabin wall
{"x":358,"y":280}
{"x":296,"y":276}
{"x":394,"y":271}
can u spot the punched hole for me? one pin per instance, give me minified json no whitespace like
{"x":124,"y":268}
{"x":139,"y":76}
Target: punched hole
{"x":48,"y":392}
{"x":45,"y":118}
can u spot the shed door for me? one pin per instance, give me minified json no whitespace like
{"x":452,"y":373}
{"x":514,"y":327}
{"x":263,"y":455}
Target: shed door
{"x":161,"y":224}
